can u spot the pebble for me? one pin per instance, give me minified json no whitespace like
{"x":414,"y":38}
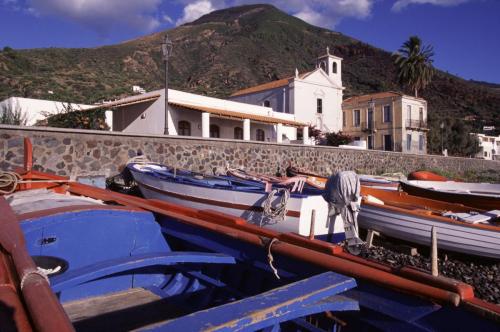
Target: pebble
{"x":484,"y":276}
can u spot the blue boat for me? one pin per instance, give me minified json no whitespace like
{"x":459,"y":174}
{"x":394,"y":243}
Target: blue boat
{"x":115,"y":268}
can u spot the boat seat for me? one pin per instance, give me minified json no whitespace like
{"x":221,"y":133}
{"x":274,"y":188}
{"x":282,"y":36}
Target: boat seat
{"x":305,"y":297}
{"x":474,"y":218}
{"x":112,"y":266}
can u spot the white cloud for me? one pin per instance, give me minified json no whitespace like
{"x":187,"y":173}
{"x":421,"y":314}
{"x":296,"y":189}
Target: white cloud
{"x":195,"y":10}
{"x":101,"y":15}
{"x":401,"y":4}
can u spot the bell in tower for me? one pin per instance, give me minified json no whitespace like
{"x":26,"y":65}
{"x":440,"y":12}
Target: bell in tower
{"x":332,"y":66}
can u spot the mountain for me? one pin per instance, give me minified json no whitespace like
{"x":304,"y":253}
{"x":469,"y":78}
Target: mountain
{"x":224,"y":51}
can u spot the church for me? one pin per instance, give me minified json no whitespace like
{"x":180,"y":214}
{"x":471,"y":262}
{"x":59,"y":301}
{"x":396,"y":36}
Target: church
{"x":314,"y":97}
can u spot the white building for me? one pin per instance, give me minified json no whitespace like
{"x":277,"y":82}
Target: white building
{"x":195,"y":115}
{"x":490,"y":147}
{"x":314,"y":98}
{"x":37,"y":109}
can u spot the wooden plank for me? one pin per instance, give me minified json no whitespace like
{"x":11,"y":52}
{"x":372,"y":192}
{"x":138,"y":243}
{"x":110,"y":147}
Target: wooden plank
{"x":122,"y":311}
{"x":95,"y":306}
{"x":304,"y":297}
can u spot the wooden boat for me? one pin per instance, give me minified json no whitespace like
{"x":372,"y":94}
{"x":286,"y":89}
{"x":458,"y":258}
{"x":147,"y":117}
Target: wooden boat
{"x":478,"y":195}
{"x":243,"y":198}
{"x":389,"y":298}
{"x":411,"y":218}
{"x":426,"y":176}
{"x":318,"y":181}
{"x":459,"y":228}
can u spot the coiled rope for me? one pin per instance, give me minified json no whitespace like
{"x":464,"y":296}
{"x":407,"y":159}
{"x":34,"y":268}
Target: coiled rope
{"x":276,"y":213}
{"x":8,"y":182}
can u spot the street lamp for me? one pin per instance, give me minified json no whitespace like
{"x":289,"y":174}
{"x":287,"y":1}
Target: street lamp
{"x":166,"y":48}
{"x":370,"y":122}
{"x":441,"y":125}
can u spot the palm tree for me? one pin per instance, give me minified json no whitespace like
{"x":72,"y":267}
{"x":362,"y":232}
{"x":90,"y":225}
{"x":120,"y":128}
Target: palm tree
{"x":414,"y":64}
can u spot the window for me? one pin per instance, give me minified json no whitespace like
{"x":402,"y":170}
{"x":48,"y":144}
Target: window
{"x":267,"y":103}
{"x":408,"y":142}
{"x":387,"y":113}
{"x":387,"y":142}
{"x":343,"y":119}
{"x":260,"y":135}
{"x":319,"y":105}
{"x":184,"y":128}
{"x":357,"y":138}
{"x":334,"y":68}
{"x":408,"y":112}
{"x":421,"y":114}
{"x":322,"y":65}
{"x":421,"y":142}
{"x":238,"y":133}
{"x":357,"y":118}
{"x":214,"y":131}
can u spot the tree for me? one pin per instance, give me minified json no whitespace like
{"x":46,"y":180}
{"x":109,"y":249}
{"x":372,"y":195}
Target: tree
{"x":12,"y":115}
{"x":69,"y":117}
{"x":316,"y":134}
{"x":454,"y":136}
{"x":414,"y":64}
{"x":336,"y":139}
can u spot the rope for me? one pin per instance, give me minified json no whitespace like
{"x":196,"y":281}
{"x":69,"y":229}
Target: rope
{"x":278,"y":213}
{"x":38,"y":271}
{"x":8,"y":182}
{"x":270,"y":258}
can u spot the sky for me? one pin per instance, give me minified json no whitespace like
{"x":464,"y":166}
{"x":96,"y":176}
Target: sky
{"x":465,"y":34}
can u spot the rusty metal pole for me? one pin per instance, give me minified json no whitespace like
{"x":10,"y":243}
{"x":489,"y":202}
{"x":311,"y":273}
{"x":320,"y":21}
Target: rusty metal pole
{"x":313,"y":221}
{"x":434,"y":252}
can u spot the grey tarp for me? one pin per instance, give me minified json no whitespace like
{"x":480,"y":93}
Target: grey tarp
{"x":342,"y":192}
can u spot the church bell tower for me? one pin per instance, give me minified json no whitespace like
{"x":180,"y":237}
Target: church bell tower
{"x":332,"y":66}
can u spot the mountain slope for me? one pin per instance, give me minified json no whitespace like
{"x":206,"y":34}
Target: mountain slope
{"x":222,"y":52}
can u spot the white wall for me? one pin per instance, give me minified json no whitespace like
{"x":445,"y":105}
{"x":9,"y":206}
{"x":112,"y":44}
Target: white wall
{"x":305,"y":105}
{"x":36,"y":108}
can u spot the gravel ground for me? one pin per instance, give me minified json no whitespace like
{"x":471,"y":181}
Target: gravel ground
{"x":483,"y":275}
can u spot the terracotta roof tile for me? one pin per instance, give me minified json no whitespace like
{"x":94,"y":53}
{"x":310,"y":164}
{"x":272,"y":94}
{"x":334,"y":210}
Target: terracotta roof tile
{"x":267,"y":86}
{"x":377,"y":95}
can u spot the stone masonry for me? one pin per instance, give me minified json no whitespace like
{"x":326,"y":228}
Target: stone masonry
{"x":72,"y":152}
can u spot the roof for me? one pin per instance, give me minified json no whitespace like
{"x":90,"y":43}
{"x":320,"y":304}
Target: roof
{"x":127,"y":101}
{"x":240,"y":115}
{"x":374,"y":96}
{"x":216,"y":111}
{"x":268,"y":86}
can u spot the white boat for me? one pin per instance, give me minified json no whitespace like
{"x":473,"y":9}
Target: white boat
{"x":459,"y":228}
{"x":241,"y":198}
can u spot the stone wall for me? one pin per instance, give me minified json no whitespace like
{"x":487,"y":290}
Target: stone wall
{"x":88,"y":153}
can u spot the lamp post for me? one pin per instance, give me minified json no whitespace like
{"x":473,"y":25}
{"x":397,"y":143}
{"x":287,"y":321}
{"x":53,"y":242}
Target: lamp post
{"x":371,"y":122}
{"x":166,"y":48}
{"x":441,"y":125}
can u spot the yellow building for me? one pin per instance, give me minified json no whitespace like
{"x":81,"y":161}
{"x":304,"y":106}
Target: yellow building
{"x":388,"y":121}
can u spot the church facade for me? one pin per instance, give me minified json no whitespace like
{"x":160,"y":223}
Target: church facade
{"x":314,"y":97}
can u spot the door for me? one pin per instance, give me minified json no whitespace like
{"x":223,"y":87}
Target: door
{"x":387,"y":142}
{"x":370,"y":119}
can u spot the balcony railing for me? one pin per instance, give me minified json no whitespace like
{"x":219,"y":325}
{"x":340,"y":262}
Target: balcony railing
{"x":368,"y":126}
{"x":416,"y":124}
